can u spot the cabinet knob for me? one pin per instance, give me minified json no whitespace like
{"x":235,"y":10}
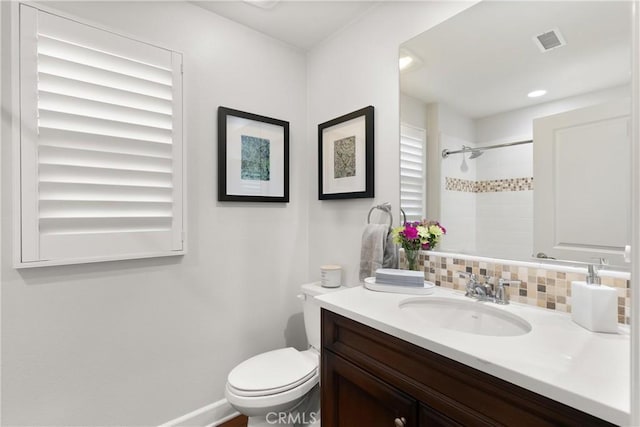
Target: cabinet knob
{"x":400,"y":422}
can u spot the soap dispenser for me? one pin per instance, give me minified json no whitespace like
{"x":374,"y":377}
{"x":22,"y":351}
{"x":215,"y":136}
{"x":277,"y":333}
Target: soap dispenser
{"x":594,"y":306}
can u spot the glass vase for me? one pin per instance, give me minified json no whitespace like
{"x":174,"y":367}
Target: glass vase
{"x":412,"y":256}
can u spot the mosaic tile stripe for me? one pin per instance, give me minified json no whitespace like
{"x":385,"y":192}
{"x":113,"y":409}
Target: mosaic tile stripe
{"x":457,"y":184}
{"x":538,"y":287}
{"x":489,"y":186}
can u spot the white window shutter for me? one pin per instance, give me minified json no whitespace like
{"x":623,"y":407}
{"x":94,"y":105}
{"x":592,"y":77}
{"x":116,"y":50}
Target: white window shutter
{"x":101,"y":144}
{"x":412,"y":172}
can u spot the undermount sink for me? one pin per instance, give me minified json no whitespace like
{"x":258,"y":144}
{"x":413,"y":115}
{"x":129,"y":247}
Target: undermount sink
{"x":472,"y":317}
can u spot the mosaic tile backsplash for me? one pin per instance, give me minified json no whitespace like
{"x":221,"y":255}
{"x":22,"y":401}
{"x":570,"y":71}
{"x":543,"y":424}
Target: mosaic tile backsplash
{"x":539,"y":287}
{"x":490,"y":186}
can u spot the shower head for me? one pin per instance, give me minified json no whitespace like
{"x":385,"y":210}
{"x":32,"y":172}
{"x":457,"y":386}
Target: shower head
{"x":475,"y":153}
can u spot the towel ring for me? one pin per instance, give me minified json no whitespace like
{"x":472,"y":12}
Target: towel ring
{"x":386,"y":208}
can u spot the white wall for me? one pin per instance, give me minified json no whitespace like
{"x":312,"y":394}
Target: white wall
{"x":413,"y":111}
{"x":458,"y":208}
{"x":359,"y":67}
{"x":144,"y":341}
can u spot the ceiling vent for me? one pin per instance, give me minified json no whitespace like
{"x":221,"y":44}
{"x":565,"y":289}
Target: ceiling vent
{"x":549,"y":40}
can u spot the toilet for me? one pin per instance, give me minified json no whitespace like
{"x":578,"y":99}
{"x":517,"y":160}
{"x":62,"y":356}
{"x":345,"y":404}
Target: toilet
{"x":281,"y":387}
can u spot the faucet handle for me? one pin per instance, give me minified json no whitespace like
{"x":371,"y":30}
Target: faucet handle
{"x":471,"y":283}
{"x":502,"y":296}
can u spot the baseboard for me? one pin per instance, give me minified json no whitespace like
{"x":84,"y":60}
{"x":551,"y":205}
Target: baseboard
{"x":210,"y":415}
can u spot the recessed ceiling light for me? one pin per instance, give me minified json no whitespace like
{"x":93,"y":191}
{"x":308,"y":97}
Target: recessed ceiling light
{"x":536,"y":93}
{"x":262,"y":4}
{"x":405,"y":61}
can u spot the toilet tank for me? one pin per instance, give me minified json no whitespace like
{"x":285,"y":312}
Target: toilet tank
{"x":311,"y":311}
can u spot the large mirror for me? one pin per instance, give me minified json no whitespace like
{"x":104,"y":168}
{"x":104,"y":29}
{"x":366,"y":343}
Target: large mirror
{"x":515,"y":129}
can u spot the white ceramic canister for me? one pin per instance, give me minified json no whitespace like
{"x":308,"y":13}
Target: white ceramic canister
{"x":330,"y":276}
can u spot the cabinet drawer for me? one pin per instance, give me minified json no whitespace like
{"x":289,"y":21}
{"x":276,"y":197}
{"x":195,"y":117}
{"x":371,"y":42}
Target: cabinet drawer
{"x":465,"y":395}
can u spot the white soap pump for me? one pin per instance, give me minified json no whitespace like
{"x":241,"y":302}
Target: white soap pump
{"x":594,"y":306}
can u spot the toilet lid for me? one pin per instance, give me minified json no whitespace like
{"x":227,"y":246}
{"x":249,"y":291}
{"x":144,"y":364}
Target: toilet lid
{"x":278,"y":369}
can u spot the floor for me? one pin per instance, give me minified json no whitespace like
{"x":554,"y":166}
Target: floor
{"x":240,"y":421}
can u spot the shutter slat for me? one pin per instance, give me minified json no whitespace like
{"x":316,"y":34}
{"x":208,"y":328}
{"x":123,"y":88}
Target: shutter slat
{"x":97,"y":159}
{"x":77,"y":123}
{"x":101,"y":110}
{"x":85,"y":73}
{"x":411,"y":174}
{"x":99,"y":225}
{"x":109,"y":144}
{"x":416,"y":168}
{"x":69,"y":51}
{"x":98,"y":192}
{"x":82,"y":175}
{"x":105,"y":209}
{"x":406,"y":150}
{"x":76,"y":88}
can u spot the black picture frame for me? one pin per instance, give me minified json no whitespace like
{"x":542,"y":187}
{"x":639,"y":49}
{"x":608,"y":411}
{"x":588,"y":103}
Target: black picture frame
{"x":253,"y":157}
{"x":346,"y":156}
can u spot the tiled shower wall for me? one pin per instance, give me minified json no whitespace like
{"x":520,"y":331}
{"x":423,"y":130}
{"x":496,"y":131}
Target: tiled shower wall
{"x":538,"y":286}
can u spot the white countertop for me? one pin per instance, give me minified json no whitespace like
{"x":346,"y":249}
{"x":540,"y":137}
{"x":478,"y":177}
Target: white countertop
{"x":557,"y":358}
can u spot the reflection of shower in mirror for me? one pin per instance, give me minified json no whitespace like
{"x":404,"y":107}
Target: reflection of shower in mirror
{"x":475,"y":153}
{"x":464,"y":167}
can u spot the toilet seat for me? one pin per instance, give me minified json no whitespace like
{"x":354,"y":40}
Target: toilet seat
{"x":272,"y":373}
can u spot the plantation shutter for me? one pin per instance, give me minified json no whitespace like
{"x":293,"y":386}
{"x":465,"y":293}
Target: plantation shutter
{"x":101,"y":144}
{"x":412,"y":172}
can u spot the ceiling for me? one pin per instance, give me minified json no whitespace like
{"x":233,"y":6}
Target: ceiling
{"x":483,"y":61}
{"x":302,"y":24}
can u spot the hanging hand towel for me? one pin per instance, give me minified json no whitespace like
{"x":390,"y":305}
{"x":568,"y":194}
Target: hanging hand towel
{"x":372,"y":251}
{"x":390,"y":258}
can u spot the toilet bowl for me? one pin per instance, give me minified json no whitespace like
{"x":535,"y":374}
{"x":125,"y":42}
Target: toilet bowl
{"x":279,"y":387}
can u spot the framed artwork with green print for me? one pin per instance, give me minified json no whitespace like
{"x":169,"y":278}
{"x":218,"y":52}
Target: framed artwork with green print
{"x":253,"y":157}
{"x":345,"y":156}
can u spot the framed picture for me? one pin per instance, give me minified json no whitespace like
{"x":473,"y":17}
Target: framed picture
{"x":253,"y":157}
{"x":345,"y":156}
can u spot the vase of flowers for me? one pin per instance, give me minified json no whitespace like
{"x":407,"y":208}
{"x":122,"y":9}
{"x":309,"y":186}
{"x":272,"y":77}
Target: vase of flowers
{"x":414,"y":236}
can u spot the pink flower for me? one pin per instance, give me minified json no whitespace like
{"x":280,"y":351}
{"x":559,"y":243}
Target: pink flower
{"x":410,"y":232}
{"x":426,"y":246}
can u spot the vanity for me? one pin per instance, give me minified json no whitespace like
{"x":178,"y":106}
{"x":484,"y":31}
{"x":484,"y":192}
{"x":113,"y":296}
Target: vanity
{"x":384,"y":363}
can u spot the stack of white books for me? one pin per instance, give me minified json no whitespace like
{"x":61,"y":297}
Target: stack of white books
{"x":396,"y":277}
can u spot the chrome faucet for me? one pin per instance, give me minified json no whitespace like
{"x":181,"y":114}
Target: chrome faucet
{"x":485,"y":291}
{"x":593,"y":270}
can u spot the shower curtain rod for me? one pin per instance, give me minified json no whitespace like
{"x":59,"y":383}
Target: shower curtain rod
{"x":445,"y":152}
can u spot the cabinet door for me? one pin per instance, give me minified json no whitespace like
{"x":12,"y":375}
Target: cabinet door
{"x":429,"y":417}
{"x":352,"y":397}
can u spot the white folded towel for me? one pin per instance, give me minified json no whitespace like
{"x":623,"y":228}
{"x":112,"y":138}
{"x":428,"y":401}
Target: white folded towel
{"x":374,"y":238}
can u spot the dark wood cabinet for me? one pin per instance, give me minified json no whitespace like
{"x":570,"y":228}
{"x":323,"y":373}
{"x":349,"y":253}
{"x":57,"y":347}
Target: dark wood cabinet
{"x":373,"y":379}
{"x":360,"y":399}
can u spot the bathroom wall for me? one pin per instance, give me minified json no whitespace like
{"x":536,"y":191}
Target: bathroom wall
{"x":413,"y":111}
{"x":141,"y":342}
{"x":505,"y":202}
{"x":354,"y":68}
{"x":458,"y":202}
